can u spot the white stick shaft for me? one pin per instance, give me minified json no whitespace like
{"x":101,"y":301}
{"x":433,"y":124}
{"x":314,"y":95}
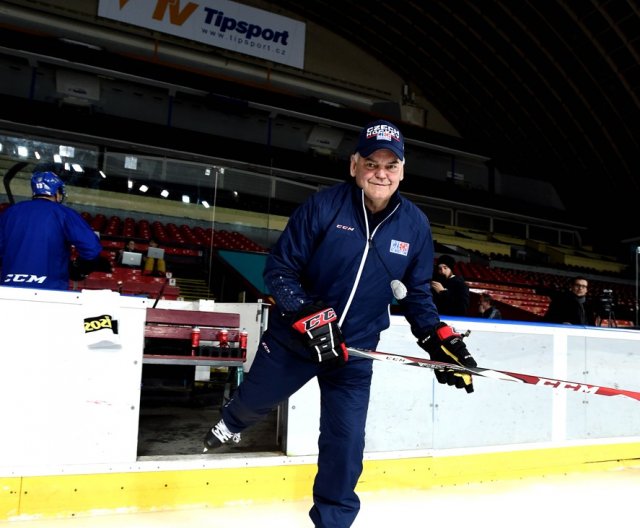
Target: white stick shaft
{"x":502,"y":375}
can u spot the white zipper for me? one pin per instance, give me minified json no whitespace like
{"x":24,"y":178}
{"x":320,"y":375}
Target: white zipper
{"x":364,"y":257}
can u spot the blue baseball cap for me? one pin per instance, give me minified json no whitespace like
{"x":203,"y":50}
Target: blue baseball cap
{"x":381,"y":135}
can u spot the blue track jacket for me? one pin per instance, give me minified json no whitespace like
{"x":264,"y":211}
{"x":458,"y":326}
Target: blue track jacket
{"x":331,"y":251}
{"x":35,"y":244}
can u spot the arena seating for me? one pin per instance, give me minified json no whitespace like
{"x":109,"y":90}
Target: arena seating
{"x":521,"y":294}
{"x":182,"y":243}
{"x":528,"y":291}
{"x":175,"y":239}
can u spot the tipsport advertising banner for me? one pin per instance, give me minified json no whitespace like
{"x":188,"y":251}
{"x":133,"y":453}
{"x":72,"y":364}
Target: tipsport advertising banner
{"x":219,"y":23}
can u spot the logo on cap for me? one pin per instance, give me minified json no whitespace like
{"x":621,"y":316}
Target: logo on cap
{"x":381,"y":135}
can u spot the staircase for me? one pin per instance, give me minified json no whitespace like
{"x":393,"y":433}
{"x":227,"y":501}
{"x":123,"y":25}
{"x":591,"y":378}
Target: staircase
{"x":193,"y":289}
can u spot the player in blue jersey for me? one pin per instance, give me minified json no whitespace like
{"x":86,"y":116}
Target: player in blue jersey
{"x":36,"y":237}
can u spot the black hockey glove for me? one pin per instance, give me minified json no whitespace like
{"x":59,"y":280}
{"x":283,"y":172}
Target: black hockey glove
{"x":318,"y":326}
{"x":444,"y":344}
{"x":79,"y":269}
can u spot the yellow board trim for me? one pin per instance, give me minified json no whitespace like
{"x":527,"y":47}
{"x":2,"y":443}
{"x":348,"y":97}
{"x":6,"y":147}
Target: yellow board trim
{"x":81,"y":495}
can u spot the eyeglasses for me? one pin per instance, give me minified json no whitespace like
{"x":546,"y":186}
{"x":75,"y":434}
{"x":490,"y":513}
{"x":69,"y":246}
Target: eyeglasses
{"x":580,"y":286}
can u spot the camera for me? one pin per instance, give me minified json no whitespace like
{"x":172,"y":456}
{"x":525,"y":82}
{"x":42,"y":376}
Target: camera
{"x":606,"y":303}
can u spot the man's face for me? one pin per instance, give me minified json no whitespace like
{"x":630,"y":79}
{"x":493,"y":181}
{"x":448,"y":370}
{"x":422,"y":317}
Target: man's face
{"x":378,"y":175}
{"x":444,"y":270}
{"x":579,"y":287}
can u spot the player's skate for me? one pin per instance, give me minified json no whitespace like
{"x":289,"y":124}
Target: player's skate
{"x":218,"y":435}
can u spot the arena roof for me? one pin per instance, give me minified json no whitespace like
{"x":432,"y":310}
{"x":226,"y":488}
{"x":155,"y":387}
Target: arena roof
{"x":549,"y":88}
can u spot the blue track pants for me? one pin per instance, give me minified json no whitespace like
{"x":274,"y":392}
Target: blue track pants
{"x":276,"y":374}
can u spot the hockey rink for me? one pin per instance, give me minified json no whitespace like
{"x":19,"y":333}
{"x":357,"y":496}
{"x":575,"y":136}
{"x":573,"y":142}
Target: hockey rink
{"x":121,"y":473}
{"x":593,"y":499}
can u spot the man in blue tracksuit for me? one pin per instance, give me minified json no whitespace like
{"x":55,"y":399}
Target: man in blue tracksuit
{"x":330,"y":275}
{"x":36,"y":237}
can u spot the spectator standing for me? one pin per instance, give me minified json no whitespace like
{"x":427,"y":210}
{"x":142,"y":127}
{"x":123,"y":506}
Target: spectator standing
{"x":37,"y":237}
{"x":572,"y":307}
{"x":330,"y":275}
{"x":450,"y":291}
{"x":487,"y":309}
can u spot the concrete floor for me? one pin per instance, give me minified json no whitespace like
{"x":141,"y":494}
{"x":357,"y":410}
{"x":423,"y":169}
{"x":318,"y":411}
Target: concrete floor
{"x":176,"y":429}
{"x":174,"y":421}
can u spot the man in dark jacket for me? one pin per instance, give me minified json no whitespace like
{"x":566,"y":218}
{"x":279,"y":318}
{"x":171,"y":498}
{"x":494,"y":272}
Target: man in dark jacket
{"x":330,"y":274}
{"x":487,"y":309}
{"x":450,"y":292}
{"x":36,"y":237}
{"x":572,"y":307}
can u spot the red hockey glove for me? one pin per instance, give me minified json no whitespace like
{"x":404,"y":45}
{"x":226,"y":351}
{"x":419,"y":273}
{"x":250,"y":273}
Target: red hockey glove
{"x":444,"y":344}
{"x":318,"y":326}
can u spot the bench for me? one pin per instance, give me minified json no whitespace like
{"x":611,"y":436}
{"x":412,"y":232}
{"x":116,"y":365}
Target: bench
{"x":168,"y":340}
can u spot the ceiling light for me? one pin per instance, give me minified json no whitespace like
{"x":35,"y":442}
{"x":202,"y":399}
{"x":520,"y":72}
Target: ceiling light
{"x":23,"y":152}
{"x":164,"y":193}
{"x":130,"y":184}
{"x":144,"y":188}
{"x":130,"y":162}
{"x":57,"y":158}
{"x":186,"y":199}
{"x":67,"y":152}
{"x":77,"y":167}
{"x":205,"y":204}
{"x":102,"y":174}
{"x":80,"y":43}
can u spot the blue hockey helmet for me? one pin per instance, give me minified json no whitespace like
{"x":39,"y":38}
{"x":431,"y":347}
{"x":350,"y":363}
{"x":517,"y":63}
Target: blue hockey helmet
{"x":45,"y":182}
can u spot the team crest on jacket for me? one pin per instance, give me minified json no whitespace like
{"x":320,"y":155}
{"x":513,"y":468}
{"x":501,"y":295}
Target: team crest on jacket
{"x":400,"y":248}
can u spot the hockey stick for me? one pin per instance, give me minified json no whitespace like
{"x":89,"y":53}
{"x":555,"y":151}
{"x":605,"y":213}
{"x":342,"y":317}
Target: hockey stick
{"x":494,"y":374}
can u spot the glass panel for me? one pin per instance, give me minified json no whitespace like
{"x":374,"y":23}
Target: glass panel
{"x":194,"y":205}
{"x":507,"y":227}
{"x":473,"y":221}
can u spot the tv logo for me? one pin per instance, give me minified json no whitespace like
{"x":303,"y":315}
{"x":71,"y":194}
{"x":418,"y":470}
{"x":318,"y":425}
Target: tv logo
{"x":92,"y":324}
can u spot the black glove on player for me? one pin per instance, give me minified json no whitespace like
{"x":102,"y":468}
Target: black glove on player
{"x":444,"y":344}
{"x":318,"y":326}
{"x":79,"y":269}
